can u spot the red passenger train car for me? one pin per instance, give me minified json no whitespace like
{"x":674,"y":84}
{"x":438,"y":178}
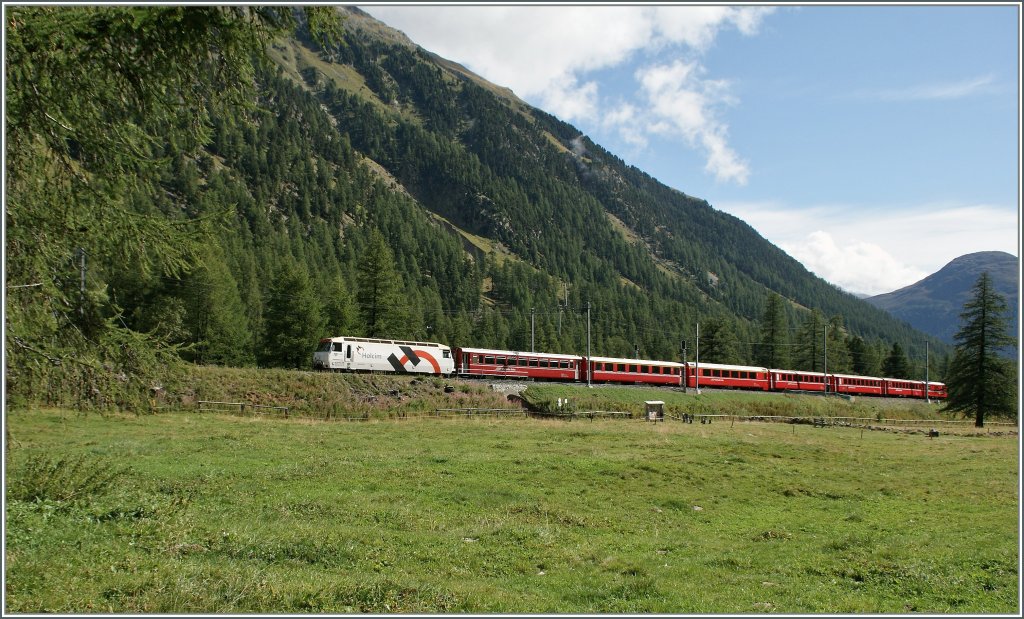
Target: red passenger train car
{"x":727,"y":376}
{"x":858,"y":385}
{"x":901,"y":388}
{"x":937,"y":391}
{"x":643,"y":371}
{"x":793,"y":380}
{"x":485,"y":362}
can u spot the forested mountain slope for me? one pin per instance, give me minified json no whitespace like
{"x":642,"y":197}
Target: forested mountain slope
{"x":499,"y":169}
{"x":364,"y":187}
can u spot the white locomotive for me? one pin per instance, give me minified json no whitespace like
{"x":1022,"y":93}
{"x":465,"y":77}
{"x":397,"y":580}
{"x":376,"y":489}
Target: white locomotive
{"x":360,"y":354}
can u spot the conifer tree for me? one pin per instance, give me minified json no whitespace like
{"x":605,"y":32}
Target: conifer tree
{"x":837,"y":354}
{"x":718,"y":342}
{"x":896,"y":365}
{"x":381,"y":304}
{"x":215,"y":314}
{"x":981,"y":383}
{"x":862,"y":357}
{"x":339,"y":310}
{"x":293,"y":319}
{"x":809,"y":349}
{"x":773,"y":349}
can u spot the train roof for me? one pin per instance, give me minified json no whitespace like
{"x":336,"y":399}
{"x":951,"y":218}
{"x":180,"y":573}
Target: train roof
{"x":514,"y":353}
{"x":721,"y":366}
{"x":371,"y":340}
{"x":636,"y":361}
{"x":801,"y":372}
{"x":857,"y":376}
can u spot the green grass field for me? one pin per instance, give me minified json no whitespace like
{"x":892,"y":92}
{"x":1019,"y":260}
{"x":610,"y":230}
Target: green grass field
{"x":204,"y":512}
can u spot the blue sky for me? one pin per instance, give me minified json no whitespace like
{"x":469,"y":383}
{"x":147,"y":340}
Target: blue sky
{"x":873,"y":143}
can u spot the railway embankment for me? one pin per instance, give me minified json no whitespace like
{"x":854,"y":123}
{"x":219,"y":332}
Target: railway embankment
{"x":336,"y":396}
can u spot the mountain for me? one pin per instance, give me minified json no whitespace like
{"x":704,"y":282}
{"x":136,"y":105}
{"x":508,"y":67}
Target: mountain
{"x":518,"y":184}
{"x":933,"y":304}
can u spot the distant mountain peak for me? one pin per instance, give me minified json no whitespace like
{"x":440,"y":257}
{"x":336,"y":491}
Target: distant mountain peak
{"x":933,"y":305}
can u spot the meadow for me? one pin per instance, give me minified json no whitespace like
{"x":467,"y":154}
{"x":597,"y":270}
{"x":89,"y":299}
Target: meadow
{"x":206,"y":512}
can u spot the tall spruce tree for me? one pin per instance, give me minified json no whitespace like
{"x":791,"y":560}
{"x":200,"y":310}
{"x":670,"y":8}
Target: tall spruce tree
{"x":718,"y":342}
{"x":862,"y":356}
{"x":216,"y":316}
{"x":896,"y":365}
{"x":293,"y":319}
{"x":837,"y":353}
{"x":810,"y":343}
{"x":773,"y":349}
{"x":381,"y":305}
{"x":980,"y":382}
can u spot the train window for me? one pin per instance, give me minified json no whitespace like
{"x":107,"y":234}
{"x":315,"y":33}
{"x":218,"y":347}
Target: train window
{"x":445,"y":354}
{"x":544,"y":363}
{"x":489,"y":360}
{"x":500,"y":361}
{"x":533,"y":363}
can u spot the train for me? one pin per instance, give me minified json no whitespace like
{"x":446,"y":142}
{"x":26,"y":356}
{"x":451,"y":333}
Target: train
{"x":358,"y":354}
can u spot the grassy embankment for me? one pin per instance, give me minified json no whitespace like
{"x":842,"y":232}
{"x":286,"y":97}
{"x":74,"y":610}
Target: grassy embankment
{"x":360,"y":396}
{"x":223,"y":514}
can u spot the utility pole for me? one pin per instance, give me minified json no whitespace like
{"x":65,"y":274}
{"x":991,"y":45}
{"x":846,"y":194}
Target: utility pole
{"x":562,"y":306}
{"x":531,"y":329}
{"x":636,"y":351}
{"x":824,"y":355}
{"x":684,"y":364}
{"x":589,"y":363}
{"x":927,"y":398}
{"x":696,"y":363}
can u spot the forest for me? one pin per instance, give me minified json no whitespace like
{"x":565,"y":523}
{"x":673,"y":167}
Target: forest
{"x":228,"y":185}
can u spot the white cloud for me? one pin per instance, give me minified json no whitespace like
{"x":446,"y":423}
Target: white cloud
{"x":876,"y":250}
{"x":544,"y":53}
{"x":934,"y":91}
{"x":856,"y":265}
{"x":680,"y":104}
